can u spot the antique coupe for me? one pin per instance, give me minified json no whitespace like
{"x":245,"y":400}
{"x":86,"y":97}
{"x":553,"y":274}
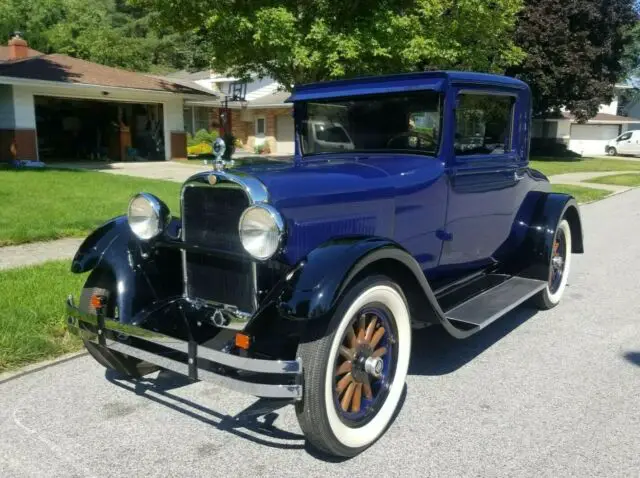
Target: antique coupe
{"x":301,"y":280}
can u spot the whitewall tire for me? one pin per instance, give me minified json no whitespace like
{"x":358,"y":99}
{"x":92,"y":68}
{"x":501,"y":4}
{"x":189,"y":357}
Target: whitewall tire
{"x":355,"y":369}
{"x":559,"y":268}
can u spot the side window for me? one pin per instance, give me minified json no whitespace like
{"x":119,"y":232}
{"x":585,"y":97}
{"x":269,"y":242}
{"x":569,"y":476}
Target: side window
{"x":625,"y":137}
{"x":483,"y":124}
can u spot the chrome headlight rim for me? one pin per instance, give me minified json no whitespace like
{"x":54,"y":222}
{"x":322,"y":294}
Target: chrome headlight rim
{"x":161,"y":216}
{"x":277,"y":221}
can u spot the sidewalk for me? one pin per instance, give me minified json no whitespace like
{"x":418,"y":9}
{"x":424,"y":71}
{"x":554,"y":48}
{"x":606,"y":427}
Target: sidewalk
{"x":576,"y":179}
{"x":38,"y":252}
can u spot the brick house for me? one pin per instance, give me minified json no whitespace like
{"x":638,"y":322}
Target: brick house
{"x":55,"y":107}
{"x":263,"y":117}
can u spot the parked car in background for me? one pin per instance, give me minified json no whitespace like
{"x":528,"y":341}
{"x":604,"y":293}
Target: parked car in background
{"x":303,"y":280}
{"x":626,"y":143}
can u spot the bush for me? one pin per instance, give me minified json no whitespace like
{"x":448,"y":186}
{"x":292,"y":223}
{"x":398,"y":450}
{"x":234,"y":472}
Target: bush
{"x":551,"y":147}
{"x":198,"y":149}
{"x":202,"y":136}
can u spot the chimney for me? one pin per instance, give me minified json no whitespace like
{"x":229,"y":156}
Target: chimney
{"x":18,"y":47}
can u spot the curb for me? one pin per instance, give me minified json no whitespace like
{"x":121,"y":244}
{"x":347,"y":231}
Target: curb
{"x":36,"y":367}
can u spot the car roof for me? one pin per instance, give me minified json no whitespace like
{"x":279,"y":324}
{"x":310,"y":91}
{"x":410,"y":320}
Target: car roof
{"x":426,"y":80}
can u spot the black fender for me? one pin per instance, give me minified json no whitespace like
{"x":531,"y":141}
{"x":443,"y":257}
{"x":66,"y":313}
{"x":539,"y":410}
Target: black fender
{"x":315,"y":286}
{"x":534,"y":256}
{"x":141,"y":272}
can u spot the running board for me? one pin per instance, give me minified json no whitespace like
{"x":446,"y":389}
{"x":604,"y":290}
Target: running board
{"x":490,"y":305}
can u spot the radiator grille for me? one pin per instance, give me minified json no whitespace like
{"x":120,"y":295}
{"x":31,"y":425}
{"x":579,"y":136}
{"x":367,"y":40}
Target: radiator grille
{"x":210,"y":219}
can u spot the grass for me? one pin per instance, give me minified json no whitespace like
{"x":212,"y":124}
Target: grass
{"x":581,"y":194}
{"x":32,"y":313}
{"x":552,"y":166}
{"x":631,"y":180}
{"x":38,"y":205}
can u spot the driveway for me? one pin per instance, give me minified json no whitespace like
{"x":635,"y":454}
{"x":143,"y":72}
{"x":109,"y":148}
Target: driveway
{"x":536,"y":394}
{"x":168,"y":170}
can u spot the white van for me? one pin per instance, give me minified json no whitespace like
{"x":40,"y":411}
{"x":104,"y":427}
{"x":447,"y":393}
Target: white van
{"x":626,"y":143}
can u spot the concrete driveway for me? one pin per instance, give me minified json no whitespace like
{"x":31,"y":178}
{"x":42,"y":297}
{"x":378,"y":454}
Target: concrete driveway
{"x":168,"y":170}
{"x":550,"y":394}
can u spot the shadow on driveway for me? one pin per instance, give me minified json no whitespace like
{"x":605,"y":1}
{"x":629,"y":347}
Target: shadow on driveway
{"x":435,"y":352}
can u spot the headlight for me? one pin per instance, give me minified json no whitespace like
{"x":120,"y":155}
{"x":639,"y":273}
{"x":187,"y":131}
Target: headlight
{"x":261,"y":230}
{"x":148,"y":216}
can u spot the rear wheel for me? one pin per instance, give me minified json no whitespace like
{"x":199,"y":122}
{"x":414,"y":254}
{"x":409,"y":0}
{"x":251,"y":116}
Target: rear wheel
{"x":558,"y":268}
{"x":103,"y":286}
{"x":355,"y":369}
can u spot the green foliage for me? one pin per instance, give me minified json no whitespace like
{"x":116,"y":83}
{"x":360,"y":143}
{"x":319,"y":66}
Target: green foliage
{"x":581,"y":194}
{"x":202,"y":136}
{"x":110,"y":32}
{"x":32,"y":314}
{"x":28,"y":215}
{"x":311,"y":40}
{"x":631,"y":180}
{"x":575,"y":52}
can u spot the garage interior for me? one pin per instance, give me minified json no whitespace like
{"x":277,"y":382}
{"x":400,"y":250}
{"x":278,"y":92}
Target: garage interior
{"x":78,"y":129}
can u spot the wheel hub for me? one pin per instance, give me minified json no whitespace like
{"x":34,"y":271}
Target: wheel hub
{"x":361,"y":367}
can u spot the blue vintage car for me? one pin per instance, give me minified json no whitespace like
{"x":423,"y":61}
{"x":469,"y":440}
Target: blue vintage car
{"x":409,"y":202}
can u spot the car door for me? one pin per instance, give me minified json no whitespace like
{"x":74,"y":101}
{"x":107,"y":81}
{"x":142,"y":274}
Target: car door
{"x":484,"y":174}
{"x":624,"y":145}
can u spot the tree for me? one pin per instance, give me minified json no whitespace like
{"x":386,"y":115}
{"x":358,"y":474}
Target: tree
{"x":575,"y":52}
{"x":109,"y":32}
{"x":298,"y":41}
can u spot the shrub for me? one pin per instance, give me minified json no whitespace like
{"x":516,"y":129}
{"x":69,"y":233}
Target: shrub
{"x":198,"y":149}
{"x":202,"y":136}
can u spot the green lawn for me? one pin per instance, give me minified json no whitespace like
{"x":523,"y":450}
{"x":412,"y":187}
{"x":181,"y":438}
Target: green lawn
{"x":32,"y":313}
{"x":631,"y":180}
{"x":551,"y":166}
{"x":39,"y":205}
{"x":581,"y":194}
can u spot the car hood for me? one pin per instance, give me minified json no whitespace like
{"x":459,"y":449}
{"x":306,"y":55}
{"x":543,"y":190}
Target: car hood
{"x":311,"y":182}
{"x":322,"y":199}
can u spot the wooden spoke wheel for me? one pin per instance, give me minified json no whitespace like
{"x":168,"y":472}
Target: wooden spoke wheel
{"x":355,"y":366}
{"x":365,"y":364}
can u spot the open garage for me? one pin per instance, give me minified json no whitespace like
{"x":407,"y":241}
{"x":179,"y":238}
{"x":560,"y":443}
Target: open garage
{"x":89,"y":129}
{"x":55,"y":107}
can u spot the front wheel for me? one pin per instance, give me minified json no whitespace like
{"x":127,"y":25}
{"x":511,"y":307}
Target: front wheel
{"x":612,"y":151}
{"x":558,"y":268}
{"x":355,"y":368}
{"x":103,"y":286}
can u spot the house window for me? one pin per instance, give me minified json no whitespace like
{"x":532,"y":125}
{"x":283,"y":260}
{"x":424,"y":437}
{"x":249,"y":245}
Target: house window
{"x":483,"y":124}
{"x":260,"y":127}
{"x":195,"y":119}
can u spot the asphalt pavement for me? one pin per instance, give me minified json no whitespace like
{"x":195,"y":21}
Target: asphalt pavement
{"x":552,"y":394}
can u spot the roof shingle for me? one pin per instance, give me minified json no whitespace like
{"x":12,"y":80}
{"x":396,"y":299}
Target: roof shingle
{"x":66,"y":69}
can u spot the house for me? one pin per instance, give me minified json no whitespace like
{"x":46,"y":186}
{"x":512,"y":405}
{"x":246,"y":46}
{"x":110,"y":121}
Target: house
{"x":590,"y":138}
{"x":55,"y":107}
{"x":255,"y":112}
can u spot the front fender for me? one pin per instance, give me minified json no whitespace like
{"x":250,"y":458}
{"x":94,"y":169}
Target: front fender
{"x":141,"y":272}
{"x":316,"y":285}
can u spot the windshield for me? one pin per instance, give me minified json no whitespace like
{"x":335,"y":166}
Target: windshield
{"x":408,"y":122}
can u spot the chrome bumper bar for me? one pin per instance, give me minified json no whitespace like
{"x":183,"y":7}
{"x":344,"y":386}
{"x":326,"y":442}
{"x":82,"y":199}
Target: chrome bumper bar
{"x":199,"y":359}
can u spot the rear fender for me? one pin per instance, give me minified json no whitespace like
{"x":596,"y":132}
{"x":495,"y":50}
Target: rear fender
{"x":141,"y":272}
{"x":534,"y":256}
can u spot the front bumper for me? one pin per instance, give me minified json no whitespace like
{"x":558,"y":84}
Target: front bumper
{"x":262,"y":378}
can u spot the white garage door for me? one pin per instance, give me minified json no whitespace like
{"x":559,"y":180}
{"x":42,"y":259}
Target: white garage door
{"x":591,"y":139}
{"x":284,"y":134}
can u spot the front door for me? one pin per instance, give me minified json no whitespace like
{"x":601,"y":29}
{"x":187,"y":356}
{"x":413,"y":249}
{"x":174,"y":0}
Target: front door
{"x":484,"y":175}
{"x":624,"y":144}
